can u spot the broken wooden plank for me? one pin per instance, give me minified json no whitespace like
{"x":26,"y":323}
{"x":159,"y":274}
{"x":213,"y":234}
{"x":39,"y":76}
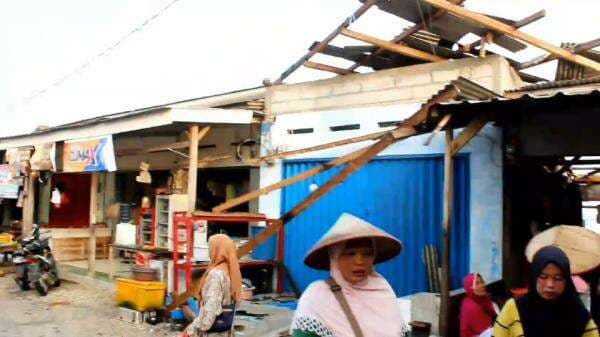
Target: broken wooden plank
{"x":396,"y":48}
{"x":357,"y":14}
{"x":518,"y":24}
{"x":469,"y":132}
{"x":342,"y":142}
{"x":287,"y":182}
{"x":407,"y":32}
{"x":353,"y":166}
{"x":579,"y":48}
{"x":326,"y":67}
{"x":444,"y":319}
{"x":512,"y":32}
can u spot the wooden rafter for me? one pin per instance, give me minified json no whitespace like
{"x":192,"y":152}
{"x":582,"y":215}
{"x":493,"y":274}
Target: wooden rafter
{"x":521,"y":23}
{"x":326,"y":67}
{"x":357,"y":14}
{"x":396,"y":48}
{"x":503,"y":28}
{"x":469,"y":132}
{"x":407,"y":32}
{"x":579,"y":48}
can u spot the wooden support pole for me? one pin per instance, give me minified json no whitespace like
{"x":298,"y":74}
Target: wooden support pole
{"x":396,"y":48}
{"x":488,"y":39}
{"x":318,"y":48}
{"x":29,"y":203}
{"x":447,"y":230}
{"x":193,"y":169}
{"x":503,"y":28}
{"x":287,"y":182}
{"x":326,"y":67}
{"x":92,"y":239}
{"x":469,"y":132}
{"x":350,"y":169}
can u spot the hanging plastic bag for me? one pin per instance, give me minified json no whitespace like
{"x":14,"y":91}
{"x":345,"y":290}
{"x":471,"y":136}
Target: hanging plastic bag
{"x":55,"y":198}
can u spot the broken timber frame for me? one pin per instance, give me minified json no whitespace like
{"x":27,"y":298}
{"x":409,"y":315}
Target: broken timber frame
{"x":357,"y":14}
{"x":326,"y":67}
{"x":503,"y":28}
{"x":579,"y":48}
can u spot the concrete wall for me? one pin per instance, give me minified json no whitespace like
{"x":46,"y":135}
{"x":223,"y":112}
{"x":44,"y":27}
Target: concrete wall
{"x":392,"y":95}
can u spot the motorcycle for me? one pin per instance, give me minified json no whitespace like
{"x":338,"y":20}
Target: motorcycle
{"x":35,"y":266}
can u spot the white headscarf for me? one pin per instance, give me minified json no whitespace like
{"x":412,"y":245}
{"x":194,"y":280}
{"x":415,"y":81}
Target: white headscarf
{"x":373,"y":303}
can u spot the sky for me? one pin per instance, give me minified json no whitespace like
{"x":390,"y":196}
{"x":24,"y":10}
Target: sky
{"x":197,"y":48}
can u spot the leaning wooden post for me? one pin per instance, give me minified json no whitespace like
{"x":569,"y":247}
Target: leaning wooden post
{"x":92,"y":239}
{"x":447,"y":229}
{"x":193,"y":169}
{"x":29,"y":204}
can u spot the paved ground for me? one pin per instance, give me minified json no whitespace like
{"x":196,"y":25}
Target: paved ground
{"x":70,"y":310}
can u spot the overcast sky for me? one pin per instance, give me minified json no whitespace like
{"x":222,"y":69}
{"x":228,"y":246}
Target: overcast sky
{"x":196,"y":48}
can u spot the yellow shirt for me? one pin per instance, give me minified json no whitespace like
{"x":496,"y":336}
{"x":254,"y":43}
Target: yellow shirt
{"x":508,"y":323}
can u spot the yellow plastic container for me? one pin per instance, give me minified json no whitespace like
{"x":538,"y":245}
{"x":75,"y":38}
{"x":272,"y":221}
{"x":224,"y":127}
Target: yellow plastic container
{"x":140,"y":295}
{"x":7,"y":239}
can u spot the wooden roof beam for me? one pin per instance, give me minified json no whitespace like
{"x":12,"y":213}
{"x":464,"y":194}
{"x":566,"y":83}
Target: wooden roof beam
{"x":407,"y":32}
{"x":521,"y":23}
{"x":580,"y":48}
{"x":503,"y":28}
{"x":358,"y":13}
{"x":396,"y":48}
{"x":326,"y":67}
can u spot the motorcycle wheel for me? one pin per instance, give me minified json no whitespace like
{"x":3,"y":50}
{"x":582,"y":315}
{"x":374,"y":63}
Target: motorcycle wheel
{"x":24,"y":285}
{"x":41,"y":287}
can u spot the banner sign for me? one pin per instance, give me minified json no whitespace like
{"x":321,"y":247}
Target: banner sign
{"x":9,"y":188}
{"x":89,"y":155}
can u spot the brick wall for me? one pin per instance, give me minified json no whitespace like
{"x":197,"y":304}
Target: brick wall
{"x":412,"y":84}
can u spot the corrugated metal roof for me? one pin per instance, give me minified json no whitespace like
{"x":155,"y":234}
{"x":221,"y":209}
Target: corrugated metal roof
{"x":123,"y":114}
{"x":558,"y":84}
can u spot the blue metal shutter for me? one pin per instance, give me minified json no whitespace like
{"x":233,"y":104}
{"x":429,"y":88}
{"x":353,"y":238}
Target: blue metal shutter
{"x":402,"y":195}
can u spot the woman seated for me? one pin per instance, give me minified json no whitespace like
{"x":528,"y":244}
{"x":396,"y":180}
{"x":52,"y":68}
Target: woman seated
{"x":356,"y":300}
{"x":477,"y":313}
{"x":552,"y":307}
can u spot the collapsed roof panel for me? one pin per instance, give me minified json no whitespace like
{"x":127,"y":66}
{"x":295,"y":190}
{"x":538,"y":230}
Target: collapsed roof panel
{"x":447,"y":26}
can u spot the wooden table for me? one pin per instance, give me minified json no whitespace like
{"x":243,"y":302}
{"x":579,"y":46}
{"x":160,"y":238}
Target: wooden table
{"x":129,"y":249}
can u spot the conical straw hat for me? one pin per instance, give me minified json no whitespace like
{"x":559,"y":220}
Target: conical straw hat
{"x":349,"y":227}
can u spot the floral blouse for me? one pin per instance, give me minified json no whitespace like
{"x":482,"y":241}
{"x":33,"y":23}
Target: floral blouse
{"x":215,"y":293}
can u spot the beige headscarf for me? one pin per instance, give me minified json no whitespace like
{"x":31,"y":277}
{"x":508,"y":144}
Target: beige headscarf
{"x":223,"y":256}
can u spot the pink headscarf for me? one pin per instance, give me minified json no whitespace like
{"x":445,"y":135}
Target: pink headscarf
{"x":373,"y":303}
{"x":477,"y":313}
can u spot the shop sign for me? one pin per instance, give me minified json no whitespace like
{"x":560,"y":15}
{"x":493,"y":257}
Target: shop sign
{"x":9,"y":187}
{"x":89,"y":155}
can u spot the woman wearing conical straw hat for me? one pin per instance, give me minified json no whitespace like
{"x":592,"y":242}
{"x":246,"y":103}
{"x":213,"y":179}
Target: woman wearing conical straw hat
{"x":355,"y":300}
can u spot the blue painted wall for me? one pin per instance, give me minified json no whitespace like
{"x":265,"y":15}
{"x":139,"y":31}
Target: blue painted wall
{"x":403,"y":195}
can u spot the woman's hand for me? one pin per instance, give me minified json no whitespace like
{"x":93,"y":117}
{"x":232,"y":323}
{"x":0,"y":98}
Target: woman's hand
{"x":184,"y":334}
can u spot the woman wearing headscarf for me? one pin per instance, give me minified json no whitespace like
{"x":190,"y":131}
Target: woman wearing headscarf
{"x":220,"y":286}
{"x":477,"y":313}
{"x":355,"y":300}
{"x":552,"y":307}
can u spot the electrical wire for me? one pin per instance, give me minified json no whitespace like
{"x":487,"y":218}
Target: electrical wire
{"x":94,"y":59}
